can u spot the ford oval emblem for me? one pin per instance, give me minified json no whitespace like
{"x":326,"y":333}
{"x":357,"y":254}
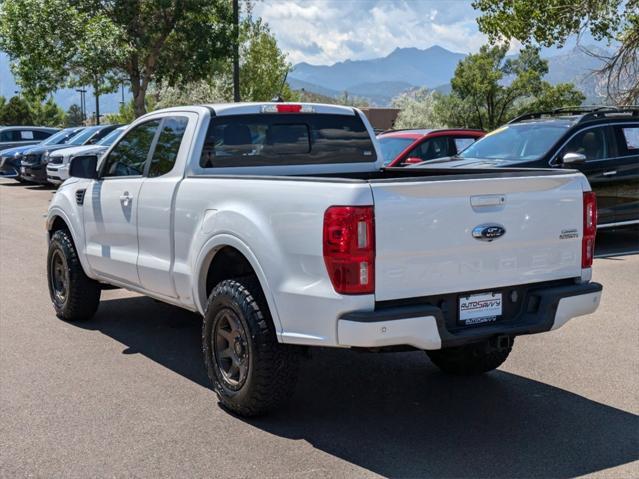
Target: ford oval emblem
{"x":488,"y":232}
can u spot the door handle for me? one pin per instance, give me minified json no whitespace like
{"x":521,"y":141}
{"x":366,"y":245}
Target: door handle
{"x":126,"y":198}
{"x":610,"y":173}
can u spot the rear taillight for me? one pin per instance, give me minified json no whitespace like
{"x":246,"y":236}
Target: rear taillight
{"x":349,"y":248}
{"x":590,"y":229}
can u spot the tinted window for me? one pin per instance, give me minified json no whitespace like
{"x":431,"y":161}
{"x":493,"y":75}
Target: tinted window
{"x":630,"y":137}
{"x":591,"y":143}
{"x":168,"y":145}
{"x":41,"y":135}
{"x":392,"y":147}
{"x":286,"y":139}
{"x":431,"y":149}
{"x":111,"y":137}
{"x":5,"y":135}
{"x":518,"y":142}
{"x":462,"y":143}
{"x":129,"y":156}
{"x":61,"y":137}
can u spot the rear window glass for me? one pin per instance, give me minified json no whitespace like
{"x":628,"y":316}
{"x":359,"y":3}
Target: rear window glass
{"x":631,"y":135}
{"x":286,"y":139}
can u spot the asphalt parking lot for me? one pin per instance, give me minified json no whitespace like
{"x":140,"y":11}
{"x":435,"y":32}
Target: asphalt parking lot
{"x":125,"y":394}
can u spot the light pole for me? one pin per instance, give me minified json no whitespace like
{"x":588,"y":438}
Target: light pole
{"x":82,"y":104}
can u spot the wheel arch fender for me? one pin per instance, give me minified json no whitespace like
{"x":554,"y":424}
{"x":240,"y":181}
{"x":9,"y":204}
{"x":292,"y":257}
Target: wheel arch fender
{"x":55,"y":213}
{"x":204,"y":259}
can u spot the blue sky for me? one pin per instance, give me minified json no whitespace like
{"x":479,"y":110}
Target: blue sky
{"x":328,"y":31}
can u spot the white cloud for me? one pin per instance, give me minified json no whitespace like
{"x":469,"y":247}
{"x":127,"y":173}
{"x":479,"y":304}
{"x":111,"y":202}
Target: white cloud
{"x":328,"y":31}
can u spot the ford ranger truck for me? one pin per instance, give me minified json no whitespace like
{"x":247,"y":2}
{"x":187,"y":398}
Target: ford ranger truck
{"x":277,"y":223}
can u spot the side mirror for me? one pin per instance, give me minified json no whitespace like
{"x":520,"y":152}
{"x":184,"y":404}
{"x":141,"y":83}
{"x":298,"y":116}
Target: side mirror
{"x":412,"y":160}
{"x":84,"y":167}
{"x":573,"y":158}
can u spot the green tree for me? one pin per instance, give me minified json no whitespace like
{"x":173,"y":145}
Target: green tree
{"x":488,"y":89}
{"x":54,"y":44}
{"x":263,"y":66}
{"x":551,"y":22}
{"x":126,"y":112}
{"x":47,"y":113}
{"x":263,"y":69}
{"x":417,"y":110}
{"x":95,"y":41}
{"x":73,"y":116}
{"x":16,"y":112}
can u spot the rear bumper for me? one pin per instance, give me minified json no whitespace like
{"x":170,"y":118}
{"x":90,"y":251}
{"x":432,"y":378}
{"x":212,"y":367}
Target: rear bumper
{"x":425,"y":326}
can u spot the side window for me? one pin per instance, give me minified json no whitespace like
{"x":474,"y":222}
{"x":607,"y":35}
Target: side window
{"x":591,"y":142}
{"x":129,"y":155}
{"x":629,"y":142}
{"x":42,"y":135}
{"x":168,"y":145}
{"x":431,"y":149}
{"x":5,"y":136}
{"x":463,"y":143}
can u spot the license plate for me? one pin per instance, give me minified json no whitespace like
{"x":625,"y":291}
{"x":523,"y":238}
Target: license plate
{"x":479,"y":308}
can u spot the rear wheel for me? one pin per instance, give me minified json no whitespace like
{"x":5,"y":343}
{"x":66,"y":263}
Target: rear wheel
{"x":472,"y":359}
{"x":75,"y":296}
{"x":251,"y":372}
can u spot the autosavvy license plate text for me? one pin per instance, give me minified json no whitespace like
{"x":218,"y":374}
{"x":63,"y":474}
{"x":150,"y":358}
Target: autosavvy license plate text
{"x":479,"y":308}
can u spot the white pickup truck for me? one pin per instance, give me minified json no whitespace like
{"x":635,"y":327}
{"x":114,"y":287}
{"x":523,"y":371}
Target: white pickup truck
{"x":277,"y":223}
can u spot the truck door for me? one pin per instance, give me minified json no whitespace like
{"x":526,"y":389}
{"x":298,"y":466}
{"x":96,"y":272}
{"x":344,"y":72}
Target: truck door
{"x":111,"y":206}
{"x":155,"y":207}
{"x":598,"y":146}
{"x":627,"y":173}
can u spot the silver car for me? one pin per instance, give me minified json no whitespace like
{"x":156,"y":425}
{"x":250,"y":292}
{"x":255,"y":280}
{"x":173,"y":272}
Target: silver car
{"x":12,"y":136}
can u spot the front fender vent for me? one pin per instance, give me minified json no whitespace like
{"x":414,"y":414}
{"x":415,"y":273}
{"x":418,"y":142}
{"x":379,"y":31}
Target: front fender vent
{"x":79,"y":196}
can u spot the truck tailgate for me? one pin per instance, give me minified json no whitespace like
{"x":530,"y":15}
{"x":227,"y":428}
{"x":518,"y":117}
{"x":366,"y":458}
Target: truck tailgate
{"x":424,"y":233}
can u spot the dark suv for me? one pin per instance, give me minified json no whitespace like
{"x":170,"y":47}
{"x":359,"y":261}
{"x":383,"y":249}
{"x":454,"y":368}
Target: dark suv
{"x":601,"y":142}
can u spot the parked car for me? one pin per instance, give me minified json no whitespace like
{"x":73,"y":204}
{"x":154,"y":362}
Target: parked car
{"x":12,"y":136}
{"x":601,"y":142}
{"x":58,"y":165}
{"x":408,"y":147}
{"x":34,"y":160}
{"x":277,"y":222}
{"x":11,"y":158}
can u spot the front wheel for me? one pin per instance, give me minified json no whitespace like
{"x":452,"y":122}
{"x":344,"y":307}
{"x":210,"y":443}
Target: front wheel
{"x":251,"y":372}
{"x":472,"y":359}
{"x":75,"y":296}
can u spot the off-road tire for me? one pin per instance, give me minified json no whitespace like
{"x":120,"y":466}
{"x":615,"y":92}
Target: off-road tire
{"x":83,"y":296}
{"x":272,"y":367}
{"x":470,"y":359}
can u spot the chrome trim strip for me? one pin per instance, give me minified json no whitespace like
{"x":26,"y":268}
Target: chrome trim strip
{"x":621,"y":223}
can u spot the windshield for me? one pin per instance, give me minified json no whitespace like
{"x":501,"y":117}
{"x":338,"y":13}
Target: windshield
{"x":82,"y":137}
{"x":519,"y":142}
{"x":391,"y":147}
{"x":60,"y":137}
{"x":111,"y":137}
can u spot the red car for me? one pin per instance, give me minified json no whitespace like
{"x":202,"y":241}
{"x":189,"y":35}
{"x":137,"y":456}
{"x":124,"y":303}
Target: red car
{"x":407,"y":147}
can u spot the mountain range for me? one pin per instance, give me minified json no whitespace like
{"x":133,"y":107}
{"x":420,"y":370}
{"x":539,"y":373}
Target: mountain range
{"x":377,"y":80}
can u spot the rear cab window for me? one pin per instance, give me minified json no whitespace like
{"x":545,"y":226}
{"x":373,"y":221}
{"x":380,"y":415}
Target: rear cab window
{"x":629,"y":140}
{"x":286,"y":139}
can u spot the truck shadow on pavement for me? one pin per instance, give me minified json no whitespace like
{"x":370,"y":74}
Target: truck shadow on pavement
{"x":396,"y":415}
